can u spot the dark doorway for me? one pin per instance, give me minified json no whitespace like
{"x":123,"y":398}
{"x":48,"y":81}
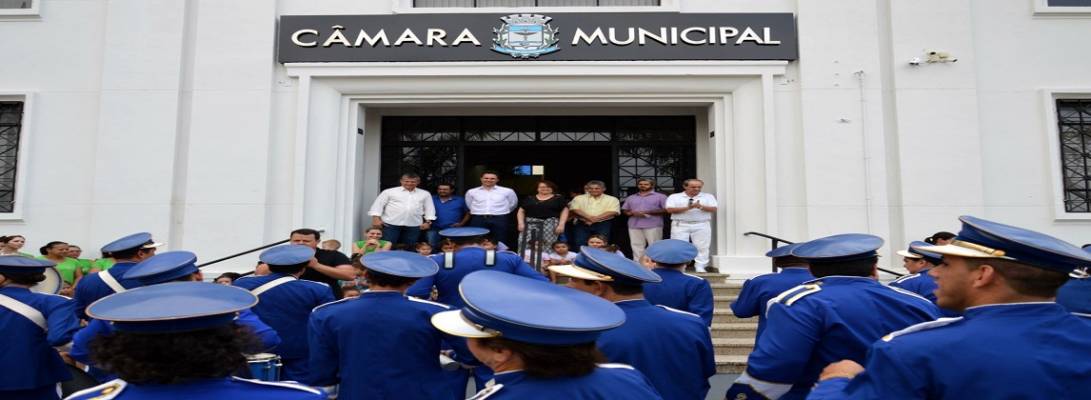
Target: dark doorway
{"x":568,"y":166}
{"x":570,"y":150}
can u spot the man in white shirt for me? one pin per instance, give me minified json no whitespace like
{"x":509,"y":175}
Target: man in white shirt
{"x":491,"y":205}
{"x":404,"y":211}
{"x":691,"y":216}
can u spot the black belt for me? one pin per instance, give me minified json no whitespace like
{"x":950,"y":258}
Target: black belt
{"x":489,"y":216}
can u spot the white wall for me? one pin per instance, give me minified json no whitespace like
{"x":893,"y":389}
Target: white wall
{"x":173,"y":117}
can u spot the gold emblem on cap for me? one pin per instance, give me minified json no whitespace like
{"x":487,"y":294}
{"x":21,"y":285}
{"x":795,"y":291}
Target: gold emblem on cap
{"x":974,"y":246}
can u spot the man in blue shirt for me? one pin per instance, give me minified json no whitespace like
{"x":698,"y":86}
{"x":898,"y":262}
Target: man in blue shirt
{"x":678,"y":289}
{"x":1012,"y":342}
{"x":673,"y":348}
{"x":382,"y":345}
{"x":127,"y":251}
{"x":451,"y":212}
{"x":287,"y":301}
{"x":757,"y":292}
{"x":835,"y":317}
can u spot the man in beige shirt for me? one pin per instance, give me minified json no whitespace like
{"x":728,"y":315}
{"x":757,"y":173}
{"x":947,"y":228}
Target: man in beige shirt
{"x":594,"y":211}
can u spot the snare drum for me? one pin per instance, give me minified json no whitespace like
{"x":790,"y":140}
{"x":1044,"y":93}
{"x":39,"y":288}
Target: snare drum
{"x":264,"y":366}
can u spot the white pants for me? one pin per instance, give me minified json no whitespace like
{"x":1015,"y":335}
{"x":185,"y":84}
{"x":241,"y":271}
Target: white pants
{"x":641,"y":238}
{"x":700,"y":234}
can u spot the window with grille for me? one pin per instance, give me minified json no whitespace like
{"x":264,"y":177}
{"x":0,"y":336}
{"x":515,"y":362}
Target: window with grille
{"x":11,"y":123}
{"x":534,"y":3}
{"x":1074,"y":125}
{"x":1069,"y":3}
{"x":16,"y":4}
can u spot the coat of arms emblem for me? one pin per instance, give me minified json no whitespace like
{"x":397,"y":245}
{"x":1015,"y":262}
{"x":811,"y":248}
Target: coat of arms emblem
{"x":525,"y":36}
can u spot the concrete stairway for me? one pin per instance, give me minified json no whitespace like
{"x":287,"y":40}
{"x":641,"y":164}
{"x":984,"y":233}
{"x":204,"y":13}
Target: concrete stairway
{"x":732,"y":338}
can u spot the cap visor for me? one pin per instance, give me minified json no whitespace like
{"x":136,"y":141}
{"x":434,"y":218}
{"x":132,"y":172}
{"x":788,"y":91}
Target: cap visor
{"x":952,"y":250}
{"x":452,"y":323}
{"x":904,"y":253}
{"x":152,"y":246}
{"x":576,"y":272}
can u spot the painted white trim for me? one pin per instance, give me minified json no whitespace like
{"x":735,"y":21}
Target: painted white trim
{"x":354,"y":89}
{"x":1053,"y":137}
{"x":406,"y":7}
{"x":22,"y":14}
{"x":538,"y":68}
{"x":26,"y":136}
{"x":1043,"y":9}
{"x":302,"y":121}
{"x":770,"y":142}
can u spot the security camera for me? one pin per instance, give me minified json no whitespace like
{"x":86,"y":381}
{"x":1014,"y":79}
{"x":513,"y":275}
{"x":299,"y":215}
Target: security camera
{"x":915,"y":61}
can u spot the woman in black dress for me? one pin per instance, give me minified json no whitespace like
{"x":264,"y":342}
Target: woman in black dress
{"x":545,"y":212}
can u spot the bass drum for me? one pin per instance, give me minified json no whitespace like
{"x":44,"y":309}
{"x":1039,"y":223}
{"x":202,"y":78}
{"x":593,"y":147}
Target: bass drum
{"x":52,"y":283}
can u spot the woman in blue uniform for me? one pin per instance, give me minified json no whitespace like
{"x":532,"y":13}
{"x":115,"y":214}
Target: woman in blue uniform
{"x":539,"y":338}
{"x":32,"y":323}
{"x":381,"y":345}
{"x":179,"y":340}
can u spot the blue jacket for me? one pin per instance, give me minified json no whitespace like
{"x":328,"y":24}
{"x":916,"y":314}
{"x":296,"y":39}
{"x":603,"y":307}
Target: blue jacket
{"x":923,"y":284}
{"x":81,"y":350}
{"x":92,"y":287}
{"x":681,"y":291}
{"x":27,"y":356}
{"x":672,"y":348}
{"x":381,"y":345}
{"x":467,"y":260}
{"x":999,"y":351}
{"x":757,"y":292}
{"x":826,"y":320}
{"x":214,"y":388}
{"x":608,"y":381}
{"x":287,"y":308}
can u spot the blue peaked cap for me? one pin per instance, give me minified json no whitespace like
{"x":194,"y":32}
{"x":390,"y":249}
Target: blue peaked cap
{"x":619,"y":268}
{"x":25,"y":265}
{"x":782,"y":250}
{"x":915,"y":248}
{"x":400,"y":263}
{"x":128,"y":242}
{"x":531,"y":311}
{"x":463,"y":231}
{"x":671,"y":251}
{"x":164,"y":267}
{"x":289,"y":254}
{"x":172,"y":307}
{"x":839,"y":248}
{"x":1023,"y":245}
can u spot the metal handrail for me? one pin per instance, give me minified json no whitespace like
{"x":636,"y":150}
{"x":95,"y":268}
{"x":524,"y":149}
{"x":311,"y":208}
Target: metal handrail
{"x":776,"y":240}
{"x":245,"y":252}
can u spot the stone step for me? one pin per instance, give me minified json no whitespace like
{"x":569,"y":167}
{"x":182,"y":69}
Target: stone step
{"x":723,"y":302}
{"x":726,"y":289}
{"x":710,"y":277}
{"x":738,"y":330}
{"x":725,"y":316}
{"x":730,"y":364}
{"x":733,"y":346}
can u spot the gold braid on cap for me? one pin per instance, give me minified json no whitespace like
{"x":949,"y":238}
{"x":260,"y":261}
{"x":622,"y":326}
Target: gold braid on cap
{"x":974,"y":246}
{"x":601,"y":277}
{"x":493,"y":332}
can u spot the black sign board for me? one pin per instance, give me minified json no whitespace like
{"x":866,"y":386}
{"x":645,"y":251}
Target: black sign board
{"x":536,"y":37}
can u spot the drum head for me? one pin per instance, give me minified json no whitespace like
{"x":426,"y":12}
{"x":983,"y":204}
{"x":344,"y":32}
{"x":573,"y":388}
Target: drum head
{"x":52,"y":283}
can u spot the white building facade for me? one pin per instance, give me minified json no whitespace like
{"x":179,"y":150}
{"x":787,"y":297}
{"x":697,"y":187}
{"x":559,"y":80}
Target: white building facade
{"x":893,"y":118}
